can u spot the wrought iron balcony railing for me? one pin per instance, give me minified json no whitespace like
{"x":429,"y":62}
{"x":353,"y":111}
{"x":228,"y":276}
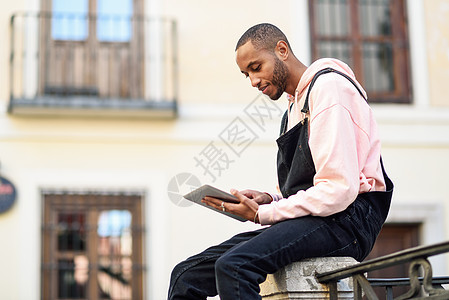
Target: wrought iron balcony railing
{"x":425,"y":287}
{"x":81,"y":64}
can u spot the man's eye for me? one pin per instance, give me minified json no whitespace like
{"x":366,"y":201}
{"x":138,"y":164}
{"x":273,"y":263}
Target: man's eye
{"x":256,"y":68}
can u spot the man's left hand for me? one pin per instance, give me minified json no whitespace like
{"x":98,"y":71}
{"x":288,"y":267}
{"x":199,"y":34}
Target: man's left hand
{"x":246,"y":207}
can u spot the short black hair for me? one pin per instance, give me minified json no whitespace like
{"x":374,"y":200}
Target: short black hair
{"x":263,"y":36}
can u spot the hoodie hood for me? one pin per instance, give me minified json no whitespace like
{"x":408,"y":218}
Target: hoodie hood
{"x":318,"y":65}
{"x":294,"y":111}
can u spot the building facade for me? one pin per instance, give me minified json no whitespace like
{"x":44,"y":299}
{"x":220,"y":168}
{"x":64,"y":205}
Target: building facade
{"x":110,"y":112}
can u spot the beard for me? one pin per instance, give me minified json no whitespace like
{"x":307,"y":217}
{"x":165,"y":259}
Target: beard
{"x":279,"y":80}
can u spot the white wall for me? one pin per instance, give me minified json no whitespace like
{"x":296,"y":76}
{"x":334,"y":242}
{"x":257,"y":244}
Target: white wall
{"x":75,"y":153}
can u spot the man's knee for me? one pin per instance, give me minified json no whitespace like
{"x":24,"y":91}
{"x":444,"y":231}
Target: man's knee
{"x":178,"y":280}
{"x":224,"y":265}
{"x":228,"y":264}
{"x":178,"y":271}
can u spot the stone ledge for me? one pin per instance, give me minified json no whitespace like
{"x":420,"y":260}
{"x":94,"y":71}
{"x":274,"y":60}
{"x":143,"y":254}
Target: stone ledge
{"x":297,"y":280}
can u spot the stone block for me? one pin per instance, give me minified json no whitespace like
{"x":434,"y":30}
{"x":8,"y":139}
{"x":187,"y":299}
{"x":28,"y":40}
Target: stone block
{"x":297,"y":280}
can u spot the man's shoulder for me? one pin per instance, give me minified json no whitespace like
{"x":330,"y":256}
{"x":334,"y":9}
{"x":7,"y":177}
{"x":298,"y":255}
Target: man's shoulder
{"x":335,"y":83}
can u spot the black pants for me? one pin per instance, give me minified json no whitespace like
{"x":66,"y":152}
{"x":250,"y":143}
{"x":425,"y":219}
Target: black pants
{"x":235,"y":268}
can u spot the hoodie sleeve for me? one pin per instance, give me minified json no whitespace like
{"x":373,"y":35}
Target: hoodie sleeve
{"x":339,"y":146}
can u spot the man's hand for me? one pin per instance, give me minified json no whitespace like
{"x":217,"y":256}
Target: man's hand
{"x":259,"y":197}
{"x":246,"y":208}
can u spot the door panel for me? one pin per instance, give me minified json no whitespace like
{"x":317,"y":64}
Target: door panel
{"x":92,"y":49}
{"x":393,"y":238}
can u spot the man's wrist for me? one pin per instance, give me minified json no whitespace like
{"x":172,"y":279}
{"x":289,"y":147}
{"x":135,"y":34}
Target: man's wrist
{"x":256,"y":217}
{"x":271,"y":199}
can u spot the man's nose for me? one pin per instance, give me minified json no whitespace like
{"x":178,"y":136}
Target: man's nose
{"x":254,"y":80}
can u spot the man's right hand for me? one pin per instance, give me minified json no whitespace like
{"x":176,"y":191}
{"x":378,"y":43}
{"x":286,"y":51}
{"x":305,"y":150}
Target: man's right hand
{"x":259,"y":197}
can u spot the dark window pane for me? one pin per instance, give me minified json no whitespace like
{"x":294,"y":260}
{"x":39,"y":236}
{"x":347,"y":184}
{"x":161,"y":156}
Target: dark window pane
{"x":114,"y":277}
{"x":72,"y":277}
{"x":375,"y":17}
{"x":333,"y":17}
{"x":71,"y":232}
{"x":340,"y":50}
{"x":378,"y":67}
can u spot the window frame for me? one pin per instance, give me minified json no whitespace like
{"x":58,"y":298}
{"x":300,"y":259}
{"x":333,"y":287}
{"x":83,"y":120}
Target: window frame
{"x":54,"y":202}
{"x":399,"y":40}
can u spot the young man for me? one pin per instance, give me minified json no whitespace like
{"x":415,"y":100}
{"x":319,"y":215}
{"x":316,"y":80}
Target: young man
{"x":335,"y":193}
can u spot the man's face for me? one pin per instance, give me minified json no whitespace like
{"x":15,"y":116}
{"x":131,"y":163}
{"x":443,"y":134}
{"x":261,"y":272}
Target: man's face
{"x":265,"y":70}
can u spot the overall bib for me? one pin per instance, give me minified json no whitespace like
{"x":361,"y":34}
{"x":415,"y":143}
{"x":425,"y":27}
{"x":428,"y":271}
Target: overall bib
{"x":235,"y":268}
{"x":295,"y":164}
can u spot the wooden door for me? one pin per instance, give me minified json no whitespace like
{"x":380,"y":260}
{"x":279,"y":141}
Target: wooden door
{"x":92,"y":48}
{"x":393,"y":238}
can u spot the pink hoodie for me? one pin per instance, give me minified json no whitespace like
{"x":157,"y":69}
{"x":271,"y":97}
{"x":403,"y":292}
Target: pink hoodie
{"x":344,"y":143}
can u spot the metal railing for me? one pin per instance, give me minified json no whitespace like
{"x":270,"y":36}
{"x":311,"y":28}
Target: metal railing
{"x":99,"y":60}
{"x":417,"y":257}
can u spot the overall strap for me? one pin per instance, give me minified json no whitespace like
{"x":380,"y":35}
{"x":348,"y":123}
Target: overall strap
{"x":305,"y":109}
{"x":284,"y":121}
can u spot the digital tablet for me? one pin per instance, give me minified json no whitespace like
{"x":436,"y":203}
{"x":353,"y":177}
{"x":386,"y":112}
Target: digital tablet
{"x":207,"y":190}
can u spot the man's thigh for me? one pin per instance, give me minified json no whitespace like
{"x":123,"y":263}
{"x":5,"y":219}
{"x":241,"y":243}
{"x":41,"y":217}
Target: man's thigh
{"x":214,"y":252}
{"x":296,"y":239}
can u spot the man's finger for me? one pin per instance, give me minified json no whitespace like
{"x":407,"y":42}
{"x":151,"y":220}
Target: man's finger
{"x":217,"y":203}
{"x":239,"y":195}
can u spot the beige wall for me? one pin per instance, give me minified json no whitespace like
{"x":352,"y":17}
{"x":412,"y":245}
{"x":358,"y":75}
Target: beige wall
{"x":437,"y":30}
{"x":7,"y":9}
{"x":208,"y":33}
{"x":111,"y":154}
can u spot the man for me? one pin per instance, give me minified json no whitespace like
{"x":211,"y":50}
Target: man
{"x":335,"y":193}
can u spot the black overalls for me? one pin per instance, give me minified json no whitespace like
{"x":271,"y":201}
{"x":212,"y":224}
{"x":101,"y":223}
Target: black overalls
{"x":294,"y":161}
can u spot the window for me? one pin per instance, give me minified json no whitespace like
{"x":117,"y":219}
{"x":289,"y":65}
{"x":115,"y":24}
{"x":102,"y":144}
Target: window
{"x":114,"y":20}
{"x":95,"y":49}
{"x":93,"y":57}
{"x":70,"y":19}
{"x":92,"y":246}
{"x":371,"y":37}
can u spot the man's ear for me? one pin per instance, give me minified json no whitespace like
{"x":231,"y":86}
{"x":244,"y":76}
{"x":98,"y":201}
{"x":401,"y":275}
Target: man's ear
{"x":282,"y":50}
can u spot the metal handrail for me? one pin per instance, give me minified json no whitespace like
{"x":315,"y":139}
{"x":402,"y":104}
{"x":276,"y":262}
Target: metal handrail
{"x":390,"y":283}
{"x":417,"y":256}
{"x":386,"y":282}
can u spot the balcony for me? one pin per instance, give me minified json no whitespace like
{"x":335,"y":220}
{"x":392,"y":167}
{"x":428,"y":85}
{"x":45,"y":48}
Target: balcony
{"x":89,"y":65}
